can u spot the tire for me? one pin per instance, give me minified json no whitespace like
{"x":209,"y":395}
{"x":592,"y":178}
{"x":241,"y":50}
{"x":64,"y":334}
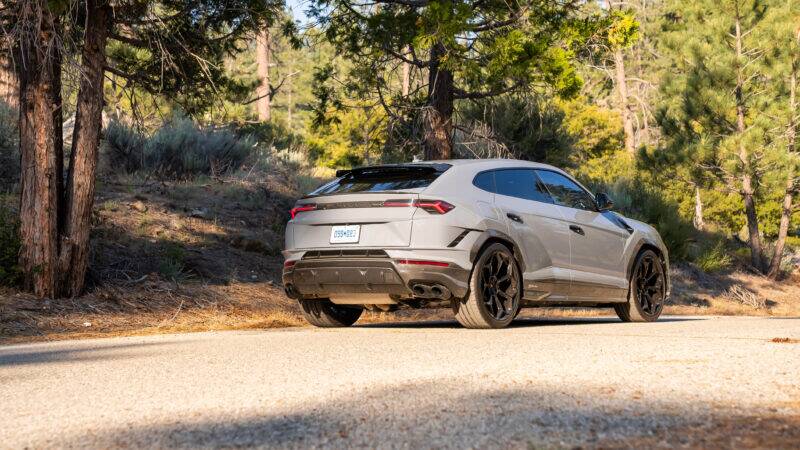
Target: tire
{"x":324,"y":314}
{"x":646,"y":290}
{"x":495,"y":290}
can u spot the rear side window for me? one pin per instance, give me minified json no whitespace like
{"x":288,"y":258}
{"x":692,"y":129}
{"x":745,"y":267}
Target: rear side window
{"x":521,"y":183}
{"x":566,"y":192}
{"x":485,"y":181}
{"x":383,"y":179}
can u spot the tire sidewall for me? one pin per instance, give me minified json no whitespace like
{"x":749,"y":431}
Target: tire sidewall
{"x":476,"y":293}
{"x":635,"y":311}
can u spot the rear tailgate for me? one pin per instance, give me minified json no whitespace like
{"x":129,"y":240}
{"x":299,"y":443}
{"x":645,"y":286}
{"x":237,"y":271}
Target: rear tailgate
{"x":378,"y":225}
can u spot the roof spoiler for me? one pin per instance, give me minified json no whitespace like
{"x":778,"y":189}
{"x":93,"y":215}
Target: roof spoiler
{"x":393,"y":167}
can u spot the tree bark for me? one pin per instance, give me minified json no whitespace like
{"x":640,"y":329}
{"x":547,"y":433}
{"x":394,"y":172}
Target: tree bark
{"x":264,"y":59}
{"x":9,"y":80}
{"x":788,"y":197}
{"x":625,"y":107}
{"x":406,"y":81}
{"x":438,"y":115}
{"x":748,"y":190}
{"x":699,"y":220}
{"x":621,"y":82}
{"x":74,"y":245}
{"x":39,"y":133}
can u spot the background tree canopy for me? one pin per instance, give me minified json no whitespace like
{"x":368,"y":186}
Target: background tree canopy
{"x":685,"y":111}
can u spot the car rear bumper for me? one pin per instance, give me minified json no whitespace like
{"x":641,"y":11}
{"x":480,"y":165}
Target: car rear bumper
{"x":320,"y":274}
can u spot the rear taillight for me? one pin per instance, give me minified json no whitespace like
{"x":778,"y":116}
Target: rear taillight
{"x":422,"y":262}
{"x":431,"y":206}
{"x":288,"y":264}
{"x":303,"y":208}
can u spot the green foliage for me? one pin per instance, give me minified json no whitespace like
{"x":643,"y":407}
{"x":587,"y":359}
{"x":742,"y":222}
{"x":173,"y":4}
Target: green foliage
{"x":714,"y":258}
{"x":182,"y":149}
{"x":9,"y":247}
{"x":179,"y":149}
{"x":172,"y":264}
{"x":635,"y":199}
{"x":355,"y":137}
{"x":124,"y":147}
{"x":9,"y":147}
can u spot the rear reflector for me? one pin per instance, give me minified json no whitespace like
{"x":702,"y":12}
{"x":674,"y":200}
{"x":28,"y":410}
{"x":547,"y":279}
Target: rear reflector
{"x":431,"y":206}
{"x":419,"y":262}
{"x":303,"y":208}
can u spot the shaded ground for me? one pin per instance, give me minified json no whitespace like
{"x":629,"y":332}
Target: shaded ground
{"x":691,"y":382}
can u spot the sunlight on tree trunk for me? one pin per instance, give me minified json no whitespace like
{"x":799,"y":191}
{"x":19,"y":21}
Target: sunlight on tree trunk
{"x":264,"y":59}
{"x":9,"y":81}
{"x":624,"y":105}
{"x":699,"y":221}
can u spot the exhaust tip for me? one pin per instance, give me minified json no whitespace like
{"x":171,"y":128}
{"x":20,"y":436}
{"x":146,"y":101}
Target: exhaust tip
{"x":290,"y":291}
{"x":419,"y":290}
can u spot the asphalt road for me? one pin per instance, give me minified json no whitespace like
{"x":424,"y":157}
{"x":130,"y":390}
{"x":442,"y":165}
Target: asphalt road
{"x":694,"y":382}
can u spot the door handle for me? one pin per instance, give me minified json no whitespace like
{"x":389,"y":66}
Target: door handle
{"x":577,"y":229}
{"x":514,"y":217}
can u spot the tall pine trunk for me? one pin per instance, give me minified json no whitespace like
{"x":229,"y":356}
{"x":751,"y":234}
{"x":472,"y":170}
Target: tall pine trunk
{"x":699,"y":219}
{"x":625,"y":107}
{"x":788,"y":197}
{"x":40,"y":147}
{"x":264,"y":59}
{"x":74,"y":246}
{"x":621,"y":83}
{"x":9,"y":79}
{"x":747,"y":172}
{"x":438,"y":115}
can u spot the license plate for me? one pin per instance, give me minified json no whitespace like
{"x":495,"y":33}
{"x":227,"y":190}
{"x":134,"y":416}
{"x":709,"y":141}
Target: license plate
{"x":345,"y":234}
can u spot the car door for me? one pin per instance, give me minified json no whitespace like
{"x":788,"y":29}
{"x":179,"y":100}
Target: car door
{"x":597,"y":241}
{"x":539,"y":229}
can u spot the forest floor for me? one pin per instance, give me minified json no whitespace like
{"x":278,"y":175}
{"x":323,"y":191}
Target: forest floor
{"x":205,"y":255}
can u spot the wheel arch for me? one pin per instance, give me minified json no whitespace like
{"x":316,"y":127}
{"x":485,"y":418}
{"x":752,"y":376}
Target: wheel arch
{"x":490,"y":237}
{"x":641,"y":246}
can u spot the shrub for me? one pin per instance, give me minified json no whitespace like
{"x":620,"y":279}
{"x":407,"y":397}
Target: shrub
{"x":714,"y":258}
{"x":638,"y":201}
{"x":181,"y":149}
{"x":9,"y":247}
{"x":124,"y":147}
{"x":9,"y":147}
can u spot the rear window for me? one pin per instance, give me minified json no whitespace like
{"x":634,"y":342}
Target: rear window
{"x":383,"y":179}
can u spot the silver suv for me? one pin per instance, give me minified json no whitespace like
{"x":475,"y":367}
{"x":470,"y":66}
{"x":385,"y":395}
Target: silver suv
{"x":484,"y":237}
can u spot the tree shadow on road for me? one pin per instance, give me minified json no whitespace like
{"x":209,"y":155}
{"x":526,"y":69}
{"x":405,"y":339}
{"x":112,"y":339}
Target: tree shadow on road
{"x":435,"y":415}
{"x":15,"y":356}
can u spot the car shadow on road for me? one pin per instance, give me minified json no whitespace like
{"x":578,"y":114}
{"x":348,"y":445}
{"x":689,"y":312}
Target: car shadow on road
{"x":520,"y":322}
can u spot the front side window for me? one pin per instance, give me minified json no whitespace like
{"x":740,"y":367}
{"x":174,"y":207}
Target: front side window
{"x":566,"y":192}
{"x":521,"y":183}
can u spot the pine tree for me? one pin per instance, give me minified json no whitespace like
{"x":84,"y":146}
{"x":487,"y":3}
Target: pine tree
{"x":470,"y":50}
{"x":168,"y":47}
{"x":718,"y":97}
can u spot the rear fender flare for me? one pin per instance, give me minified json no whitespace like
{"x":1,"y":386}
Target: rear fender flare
{"x":496,"y":235}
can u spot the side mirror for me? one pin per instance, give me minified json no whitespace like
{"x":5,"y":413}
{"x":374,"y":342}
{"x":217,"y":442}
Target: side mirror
{"x":602,"y":202}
